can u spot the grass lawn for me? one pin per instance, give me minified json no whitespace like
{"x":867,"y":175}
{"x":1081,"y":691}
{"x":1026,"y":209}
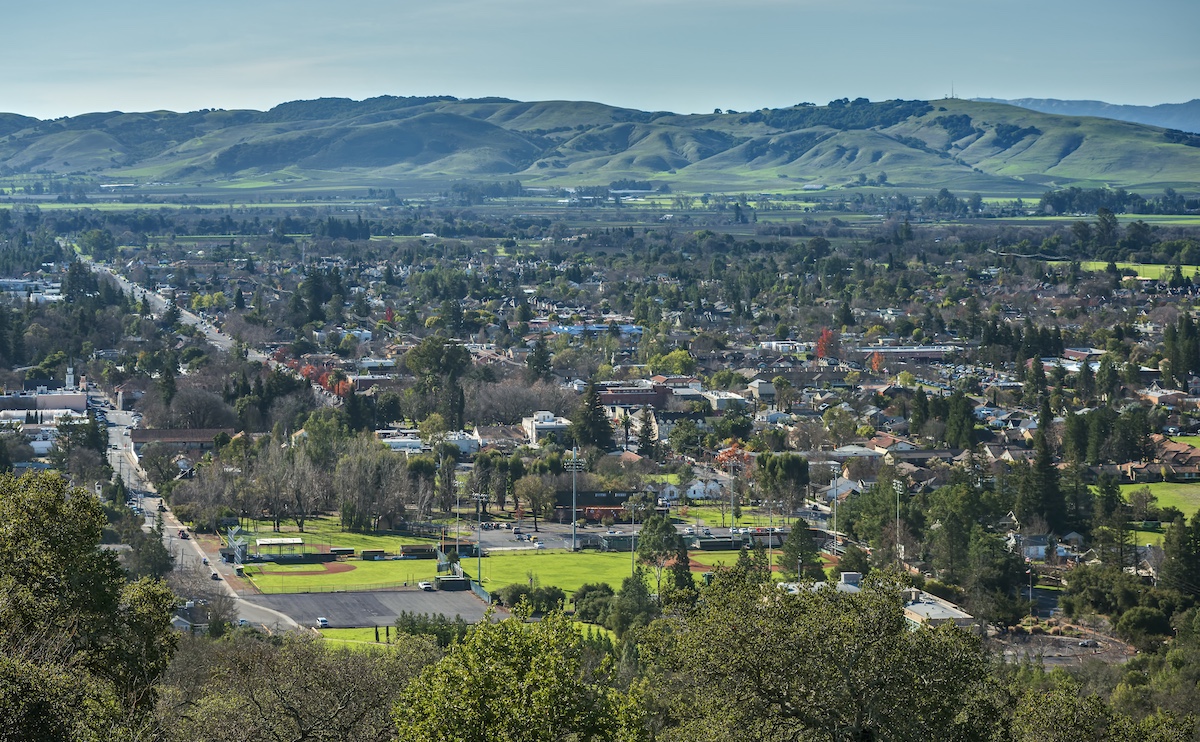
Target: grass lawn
{"x":1141,"y":538}
{"x":358,"y":640}
{"x":1184,"y":496}
{"x":272,"y":578}
{"x":1191,"y":440}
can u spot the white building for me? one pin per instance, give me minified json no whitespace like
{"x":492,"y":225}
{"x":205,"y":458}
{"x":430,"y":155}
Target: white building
{"x":543,"y":423}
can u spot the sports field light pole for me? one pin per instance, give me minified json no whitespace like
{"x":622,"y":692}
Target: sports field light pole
{"x":457,"y":515}
{"x":480,"y":498}
{"x":574,"y":465}
{"x":632,"y":541}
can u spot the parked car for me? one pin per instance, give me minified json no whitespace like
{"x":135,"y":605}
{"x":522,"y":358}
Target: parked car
{"x":689,"y":531}
{"x":322,"y":622}
{"x":215,"y":577}
{"x":426,"y":586}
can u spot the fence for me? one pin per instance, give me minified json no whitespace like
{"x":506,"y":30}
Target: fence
{"x":480,"y":593}
{"x":279,"y":589}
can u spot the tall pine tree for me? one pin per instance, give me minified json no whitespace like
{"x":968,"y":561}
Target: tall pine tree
{"x":590,"y":426}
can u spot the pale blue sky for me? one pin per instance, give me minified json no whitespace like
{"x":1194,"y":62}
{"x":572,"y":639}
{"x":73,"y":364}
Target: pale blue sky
{"x":680,"y":55}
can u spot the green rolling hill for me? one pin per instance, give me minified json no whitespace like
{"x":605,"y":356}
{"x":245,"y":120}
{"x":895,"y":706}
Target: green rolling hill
{"x":982,"y":146}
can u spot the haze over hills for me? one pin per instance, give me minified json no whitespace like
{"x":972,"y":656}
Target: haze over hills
{"x":1181,"y":116}
{"x":958,"y":144}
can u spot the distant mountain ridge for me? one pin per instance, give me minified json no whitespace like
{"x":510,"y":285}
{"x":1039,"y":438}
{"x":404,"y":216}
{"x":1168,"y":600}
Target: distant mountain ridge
{"x":1181,"y":116}
{"x":957,"y":144}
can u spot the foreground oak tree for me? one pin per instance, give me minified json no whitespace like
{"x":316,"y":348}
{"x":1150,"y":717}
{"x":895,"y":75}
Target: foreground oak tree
{"x":752,"y":661}
{"x":511,"y":680}
{"x":81,"y":647}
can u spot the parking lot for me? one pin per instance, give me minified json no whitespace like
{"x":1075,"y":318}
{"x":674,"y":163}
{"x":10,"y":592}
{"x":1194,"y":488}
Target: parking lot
{"x":351,"y":610}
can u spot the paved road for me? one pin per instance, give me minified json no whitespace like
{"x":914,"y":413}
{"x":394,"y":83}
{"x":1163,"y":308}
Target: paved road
{"x":188,"y":554}
{"x":214,"y":336}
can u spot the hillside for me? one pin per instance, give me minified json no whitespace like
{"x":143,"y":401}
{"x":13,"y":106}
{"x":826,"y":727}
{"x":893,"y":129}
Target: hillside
{"x":1182,"y":116}
{"x":981,"y":146}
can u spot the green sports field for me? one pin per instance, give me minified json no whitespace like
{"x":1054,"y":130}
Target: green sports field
{"x":326,"y":531}
{"x":352,"y":574}
{"x":552,"y":567}
{"x":1143,"y":270}
{"x":1184,"y":496}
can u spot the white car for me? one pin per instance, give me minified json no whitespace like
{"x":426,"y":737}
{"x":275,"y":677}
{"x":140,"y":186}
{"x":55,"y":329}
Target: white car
{"x":427,"y":586}
{"x":322,"y":622}
{"x":689,"y":531}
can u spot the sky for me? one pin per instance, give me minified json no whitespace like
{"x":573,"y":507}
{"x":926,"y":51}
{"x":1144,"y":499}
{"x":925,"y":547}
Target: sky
{"x":675,"y":55}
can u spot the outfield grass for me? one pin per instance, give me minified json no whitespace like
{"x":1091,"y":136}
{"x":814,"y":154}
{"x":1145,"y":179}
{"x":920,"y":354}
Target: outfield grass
{"x":1186,"y":497}
{"x":327,"y":531}
{"x":553,"y":567}
{"x":710,"y":515}
{"x":272,"y":578}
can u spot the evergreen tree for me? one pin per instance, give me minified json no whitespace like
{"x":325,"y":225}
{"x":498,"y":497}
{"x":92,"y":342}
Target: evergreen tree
{"x":1106,"y":379}
{"x":960,"y":422}
{"x":1108,"y":498}
{"x":919,"y":414}
{"x":1181,"y":556}
{"x":845,"y":317}
{"x":1085,"y":382}
{"x":1045,"y":475}
{"x":645,"y":436}
{"x":590,"y":426}
{"x":799,"y":555}
{"x":537,"y":363}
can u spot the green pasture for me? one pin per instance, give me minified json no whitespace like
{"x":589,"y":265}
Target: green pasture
{"x":1180,"y":495}
{"x":271,"y":578}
